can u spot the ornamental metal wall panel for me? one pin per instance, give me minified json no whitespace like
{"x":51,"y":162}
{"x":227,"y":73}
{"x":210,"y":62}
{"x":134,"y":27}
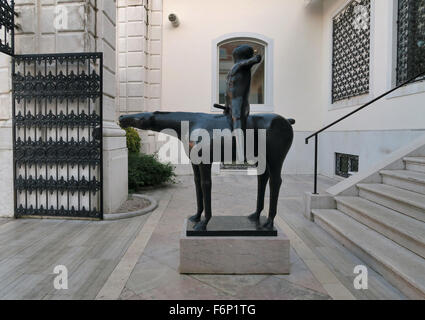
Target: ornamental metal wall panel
{"x":351,"y":51}
{"x":57,"y":120}
{"x":410,"y":39}
{"x":7,"y":25}
{"x":346,"y":164}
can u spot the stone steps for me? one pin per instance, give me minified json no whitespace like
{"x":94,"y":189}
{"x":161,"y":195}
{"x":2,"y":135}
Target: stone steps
{"x":384,"y":224}
{"x":406,"y":231}
{"x":407,"y":202}
{"x":415,"y":163}
{"x":404,"y":179}
{"x":400,"y":266}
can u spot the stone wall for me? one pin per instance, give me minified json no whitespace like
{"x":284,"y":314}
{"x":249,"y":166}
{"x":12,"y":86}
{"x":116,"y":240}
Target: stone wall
{"x":55,"y":26}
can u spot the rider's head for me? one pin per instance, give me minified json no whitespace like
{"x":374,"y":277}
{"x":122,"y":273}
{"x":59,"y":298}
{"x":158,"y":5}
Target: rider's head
{"x":243,"y":52}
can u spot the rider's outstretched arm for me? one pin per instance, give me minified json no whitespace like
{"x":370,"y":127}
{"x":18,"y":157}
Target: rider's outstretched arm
{"x":246,"y":63}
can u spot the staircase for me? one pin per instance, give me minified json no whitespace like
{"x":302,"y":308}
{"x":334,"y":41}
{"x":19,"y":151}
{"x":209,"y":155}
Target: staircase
{"x":384,"y":224}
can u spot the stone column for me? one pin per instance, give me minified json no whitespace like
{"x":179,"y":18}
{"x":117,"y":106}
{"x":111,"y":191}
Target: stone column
{"x":133,"y":56}
{"x":6,"y":145}
{"x":139,"y":43}
{"x":155,"y":54}
{"x":58,"y":26}
{"x":155,"y":63}
{"x":115,"y":153}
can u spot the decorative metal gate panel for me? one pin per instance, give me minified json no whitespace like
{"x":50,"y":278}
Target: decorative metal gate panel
{"x":57,"y":132}
{"x":7,"y":27}
{"x":411,"y":39}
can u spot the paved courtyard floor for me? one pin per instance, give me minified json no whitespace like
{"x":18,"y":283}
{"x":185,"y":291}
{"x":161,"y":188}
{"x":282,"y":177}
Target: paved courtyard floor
{"x":137,"y":258}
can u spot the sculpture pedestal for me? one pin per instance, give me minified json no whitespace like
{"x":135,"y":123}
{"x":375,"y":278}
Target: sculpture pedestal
{"x":249,"y":253}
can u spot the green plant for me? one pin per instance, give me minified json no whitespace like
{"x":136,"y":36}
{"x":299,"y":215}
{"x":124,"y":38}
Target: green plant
{"x":145,"y":170}
{"x":133,"y":140}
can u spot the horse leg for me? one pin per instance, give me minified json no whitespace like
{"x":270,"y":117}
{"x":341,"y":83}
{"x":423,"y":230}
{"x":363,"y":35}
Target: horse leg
{"x":275,"y":183}
{"x":261,"y":190}
{"x":205,"y":173}
{"x":199,"y":196}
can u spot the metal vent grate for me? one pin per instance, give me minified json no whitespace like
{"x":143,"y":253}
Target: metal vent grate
{"x":346,"y":164}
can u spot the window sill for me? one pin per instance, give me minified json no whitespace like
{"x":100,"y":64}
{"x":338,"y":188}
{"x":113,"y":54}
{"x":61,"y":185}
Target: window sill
{"x":253,"y":108}
{"x":351,"y":102}
{"x":413,"y":88}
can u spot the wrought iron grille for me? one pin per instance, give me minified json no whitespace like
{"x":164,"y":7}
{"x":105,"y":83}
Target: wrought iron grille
{"x":411,"y":39}
{"x":7,"y":26}
{"x":57,"y":120}
{"x":346,"y":164}
{"x":351,"y":51}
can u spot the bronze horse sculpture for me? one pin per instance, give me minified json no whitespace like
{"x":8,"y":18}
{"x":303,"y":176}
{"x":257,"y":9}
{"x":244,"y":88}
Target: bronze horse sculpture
{"x":278,"y":140}
{"x":276,"y":131}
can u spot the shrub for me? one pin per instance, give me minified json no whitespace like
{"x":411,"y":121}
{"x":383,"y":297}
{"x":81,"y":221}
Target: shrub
{"x":145,"y":170}
{"x":133,"y":140}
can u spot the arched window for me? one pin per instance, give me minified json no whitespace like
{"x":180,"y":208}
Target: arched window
{"x":260,"y":97}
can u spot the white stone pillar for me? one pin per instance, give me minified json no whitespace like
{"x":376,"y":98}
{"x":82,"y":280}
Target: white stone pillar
{"x":133,"y":56}
{"x":6,"y":145}
{"x":115,"y":153}
{"x":140,"y":47}
{"x":155,"y":54}
{"x":155,"y":64}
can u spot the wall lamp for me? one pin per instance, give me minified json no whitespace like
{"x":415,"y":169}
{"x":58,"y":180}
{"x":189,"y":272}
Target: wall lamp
{"x":174,"y":20}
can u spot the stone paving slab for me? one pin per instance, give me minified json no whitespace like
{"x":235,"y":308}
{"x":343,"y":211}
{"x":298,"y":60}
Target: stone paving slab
{"x":91,"y":250}
{"x":156,"y":275}
{"x":30,"y":249}
{"x":158,"y":265}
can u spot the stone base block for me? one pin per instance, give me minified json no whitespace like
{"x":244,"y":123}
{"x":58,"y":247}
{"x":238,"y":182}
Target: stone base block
{"x":234,"y":255}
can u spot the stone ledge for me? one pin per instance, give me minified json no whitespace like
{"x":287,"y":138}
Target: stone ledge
{"x":125,"y":215}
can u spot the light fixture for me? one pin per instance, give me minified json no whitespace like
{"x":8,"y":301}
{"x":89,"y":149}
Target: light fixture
{"x":174,"y":20}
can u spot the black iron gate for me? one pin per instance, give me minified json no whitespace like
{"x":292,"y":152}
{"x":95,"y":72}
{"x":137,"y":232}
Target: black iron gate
{"x":57,"y":129}
{"x":57,"y":133}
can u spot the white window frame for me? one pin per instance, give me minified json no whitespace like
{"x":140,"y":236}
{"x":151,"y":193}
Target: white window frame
{"x":268,"y":105}
{"x":412,"y":88}
{"x":364,"y":98}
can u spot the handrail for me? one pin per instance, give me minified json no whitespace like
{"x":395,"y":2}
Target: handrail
{"x":316,"y":134}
